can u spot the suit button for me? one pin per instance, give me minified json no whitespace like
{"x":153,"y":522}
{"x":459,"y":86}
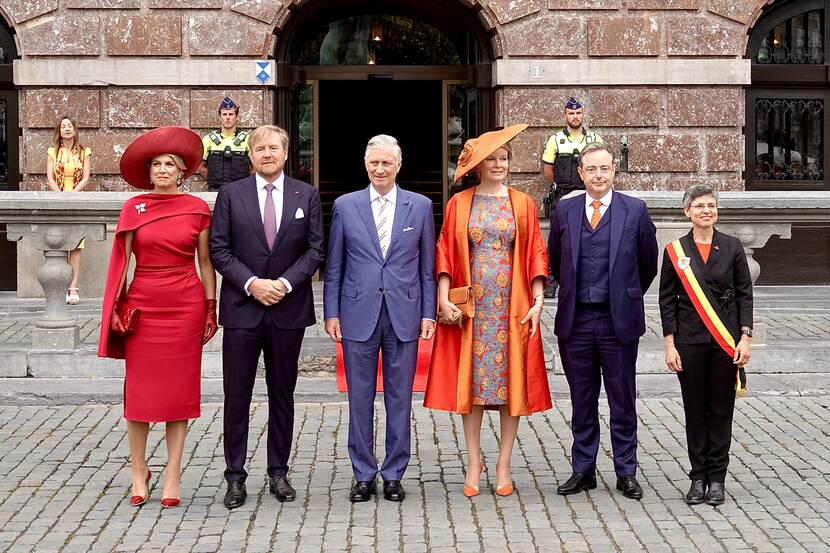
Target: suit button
{"x":380,"y":290}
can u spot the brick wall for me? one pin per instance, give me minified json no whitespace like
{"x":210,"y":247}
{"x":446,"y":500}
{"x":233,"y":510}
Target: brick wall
{"x":678,"y":133}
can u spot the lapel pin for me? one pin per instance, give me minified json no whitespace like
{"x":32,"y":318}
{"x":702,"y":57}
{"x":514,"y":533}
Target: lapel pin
{"x":141,"y":208}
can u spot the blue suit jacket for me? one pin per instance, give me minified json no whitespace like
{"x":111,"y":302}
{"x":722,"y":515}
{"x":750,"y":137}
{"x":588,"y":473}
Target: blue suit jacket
{"x":239,"y":250}
{"x":358,"y":278}
{"x":632,"y":263}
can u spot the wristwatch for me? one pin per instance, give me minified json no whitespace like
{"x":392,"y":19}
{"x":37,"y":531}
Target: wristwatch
{"x":747,"y":331}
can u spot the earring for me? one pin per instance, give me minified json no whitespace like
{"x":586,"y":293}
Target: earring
{"x":179,"y":181}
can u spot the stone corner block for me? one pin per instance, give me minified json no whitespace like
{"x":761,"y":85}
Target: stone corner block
{"x":64,"y":35}
{"x":623,"y":36}
{"x":144,"y":35}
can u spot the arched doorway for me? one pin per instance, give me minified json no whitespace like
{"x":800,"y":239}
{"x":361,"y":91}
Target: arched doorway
{"x":415,"y":69}
{"x":787,"y":135}
{"x":9,"y":170}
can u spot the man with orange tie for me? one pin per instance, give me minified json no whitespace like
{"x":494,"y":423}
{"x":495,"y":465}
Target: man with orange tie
{"x":603,"y":252}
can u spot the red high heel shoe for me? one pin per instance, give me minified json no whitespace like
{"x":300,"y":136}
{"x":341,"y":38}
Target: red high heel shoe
{"x":170,"y":502}
{"x":139,"y":500}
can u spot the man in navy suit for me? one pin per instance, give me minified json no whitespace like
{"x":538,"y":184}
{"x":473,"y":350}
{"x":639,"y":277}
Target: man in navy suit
{"x":379,"y":293}
{"x":266,"y":240}
{"x":603,"y":250}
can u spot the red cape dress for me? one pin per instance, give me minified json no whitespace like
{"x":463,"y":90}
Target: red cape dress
{"x":163,"y":356}
{"x":449,"y":386}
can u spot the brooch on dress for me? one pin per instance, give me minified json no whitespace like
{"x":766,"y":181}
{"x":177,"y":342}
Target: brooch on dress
{"x":141,"y":208}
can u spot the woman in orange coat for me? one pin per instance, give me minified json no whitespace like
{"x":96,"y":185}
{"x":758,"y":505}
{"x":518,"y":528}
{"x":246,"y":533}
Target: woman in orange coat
{"x":490,"y":242}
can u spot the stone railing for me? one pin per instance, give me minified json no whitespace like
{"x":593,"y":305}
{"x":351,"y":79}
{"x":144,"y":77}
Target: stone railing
{"x":53,"y":223}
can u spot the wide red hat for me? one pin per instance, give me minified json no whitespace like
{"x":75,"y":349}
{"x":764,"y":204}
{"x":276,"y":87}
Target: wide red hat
{"x":165,"y":140}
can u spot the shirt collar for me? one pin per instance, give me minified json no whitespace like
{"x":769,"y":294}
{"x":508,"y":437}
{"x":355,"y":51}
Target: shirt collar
{"x":390,"y":196}
{"x":278,"y":184}
{"x":606,"y":200}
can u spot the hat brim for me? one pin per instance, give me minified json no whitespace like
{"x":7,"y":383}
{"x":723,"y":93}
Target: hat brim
{"x":483,"y":146}
{"x":165,"y":140}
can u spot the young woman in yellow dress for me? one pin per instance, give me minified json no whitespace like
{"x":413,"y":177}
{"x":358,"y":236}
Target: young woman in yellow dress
{"x":68,"y":168}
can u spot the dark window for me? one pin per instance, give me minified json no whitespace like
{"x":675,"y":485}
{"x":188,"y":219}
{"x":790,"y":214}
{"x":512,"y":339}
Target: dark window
{"x":378,"y":40}
{"x":786,"y":146}
{"x":797,"y":40}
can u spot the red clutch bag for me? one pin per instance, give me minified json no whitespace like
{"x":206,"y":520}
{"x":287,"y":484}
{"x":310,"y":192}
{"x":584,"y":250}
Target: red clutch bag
{"x":128,"y":315}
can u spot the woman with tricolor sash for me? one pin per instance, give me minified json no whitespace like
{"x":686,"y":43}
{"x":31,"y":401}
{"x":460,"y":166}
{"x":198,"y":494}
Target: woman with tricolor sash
{"x":706,"y":310}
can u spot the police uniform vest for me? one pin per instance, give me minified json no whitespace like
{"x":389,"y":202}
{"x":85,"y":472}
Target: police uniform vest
{"x":566,"y":162}
{"x":227,"y":158}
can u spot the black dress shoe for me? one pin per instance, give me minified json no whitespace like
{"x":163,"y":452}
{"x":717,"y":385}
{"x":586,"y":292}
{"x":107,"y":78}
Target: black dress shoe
{"x":576,"y":483}
{"x":630,"y":488}
{"x":281,"y":488}
{"x":236,"y":494}
{"x":697,"y":493}
{"x":715,"y":495}
{"x":362,"y":491}
{"x":393,"y":491}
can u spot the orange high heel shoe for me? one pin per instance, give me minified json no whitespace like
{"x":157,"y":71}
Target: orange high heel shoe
{"x":139,"y":500}
{"x":472,"y":491}
{"x":504,"y":491}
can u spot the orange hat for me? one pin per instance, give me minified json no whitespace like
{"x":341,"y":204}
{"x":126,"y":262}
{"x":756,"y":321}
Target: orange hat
{"x":476,"y":150}
{"x":165,"y":140}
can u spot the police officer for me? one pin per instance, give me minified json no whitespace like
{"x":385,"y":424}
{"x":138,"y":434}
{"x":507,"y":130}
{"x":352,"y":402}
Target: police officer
{"x":226,"y":156}
{"x":561,"y":160}
{"x":561,"y":156}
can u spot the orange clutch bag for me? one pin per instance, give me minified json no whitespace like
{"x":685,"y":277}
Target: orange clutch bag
{"x":128,"y":315}
{"x":462,"y":298}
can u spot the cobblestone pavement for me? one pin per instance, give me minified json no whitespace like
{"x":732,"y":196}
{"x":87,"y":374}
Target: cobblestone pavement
{"x":64,"y":484}
{"x":781,"y":326}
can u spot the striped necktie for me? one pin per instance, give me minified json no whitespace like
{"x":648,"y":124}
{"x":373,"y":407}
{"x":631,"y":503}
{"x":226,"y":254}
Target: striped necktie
{"x":381,"y":225}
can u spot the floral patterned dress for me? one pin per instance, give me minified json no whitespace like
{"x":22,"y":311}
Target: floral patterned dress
{"x":492,"y":233}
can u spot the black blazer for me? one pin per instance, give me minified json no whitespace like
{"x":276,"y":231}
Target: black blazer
{"x":726,"y":273}
{"x":239,"y":250}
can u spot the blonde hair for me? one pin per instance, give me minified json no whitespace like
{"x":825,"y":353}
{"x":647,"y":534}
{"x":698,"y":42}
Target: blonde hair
{"x":259,"y":134}
{"x":177,"y":161}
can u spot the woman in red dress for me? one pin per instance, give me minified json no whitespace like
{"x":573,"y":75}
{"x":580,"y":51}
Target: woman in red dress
{"x":490,"y":242}
{"x":165,"y":230}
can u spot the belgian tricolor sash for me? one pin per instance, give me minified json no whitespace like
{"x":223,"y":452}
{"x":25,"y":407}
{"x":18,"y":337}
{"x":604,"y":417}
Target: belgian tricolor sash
{"x":706,"y":306}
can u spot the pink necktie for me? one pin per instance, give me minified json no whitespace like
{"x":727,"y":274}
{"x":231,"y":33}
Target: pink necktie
{"x":269,"y":220}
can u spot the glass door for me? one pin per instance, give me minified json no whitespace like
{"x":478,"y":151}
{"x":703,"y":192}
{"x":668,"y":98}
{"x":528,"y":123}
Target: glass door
{"x":9,"y":180}
{"x":460,"y":118}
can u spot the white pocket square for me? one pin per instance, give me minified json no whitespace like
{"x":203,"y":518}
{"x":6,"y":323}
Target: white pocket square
{"x":299,"y":213}
{"x":407,"y":229}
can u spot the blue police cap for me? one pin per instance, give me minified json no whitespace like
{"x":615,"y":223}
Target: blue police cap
{"x":573,"y":103}
{"x":227,"y":103}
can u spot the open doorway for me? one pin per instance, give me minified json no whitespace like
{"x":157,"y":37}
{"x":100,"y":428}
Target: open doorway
{"x":351,"y":112}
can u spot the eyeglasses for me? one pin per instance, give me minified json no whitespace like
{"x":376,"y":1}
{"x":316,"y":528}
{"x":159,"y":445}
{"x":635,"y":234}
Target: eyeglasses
{"x":605,"y":170}
{"x":701,"y":207}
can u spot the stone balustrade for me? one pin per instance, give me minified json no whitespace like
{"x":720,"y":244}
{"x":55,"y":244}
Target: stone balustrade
{"x":48,"y":224}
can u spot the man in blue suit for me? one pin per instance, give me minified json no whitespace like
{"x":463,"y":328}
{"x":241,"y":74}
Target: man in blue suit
{"x":266,"y":241}
{"x":603,"y":251}
{"x":379,"y":293}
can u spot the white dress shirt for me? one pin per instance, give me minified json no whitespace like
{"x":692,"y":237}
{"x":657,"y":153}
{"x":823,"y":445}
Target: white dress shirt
{"x":606,"y":201}
{"x":389,"y":212}
{"x":276,"y":195}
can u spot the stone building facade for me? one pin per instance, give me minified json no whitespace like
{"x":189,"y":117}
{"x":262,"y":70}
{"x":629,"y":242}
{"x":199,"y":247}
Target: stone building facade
{"x":667,"y":77}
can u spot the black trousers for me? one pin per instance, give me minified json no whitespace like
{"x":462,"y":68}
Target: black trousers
{"x":240,"y":354}
{"x":707,"y":382}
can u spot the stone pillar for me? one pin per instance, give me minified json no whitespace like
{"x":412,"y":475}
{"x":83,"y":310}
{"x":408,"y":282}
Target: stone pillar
{"x":754,"y":236}
{"x":57,"y":330}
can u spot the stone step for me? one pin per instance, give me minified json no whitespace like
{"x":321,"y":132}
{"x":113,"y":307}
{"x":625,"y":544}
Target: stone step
{"x":317,"y":358}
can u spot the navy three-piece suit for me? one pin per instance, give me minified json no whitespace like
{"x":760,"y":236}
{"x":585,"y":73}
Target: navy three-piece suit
{"x":603,"y":274}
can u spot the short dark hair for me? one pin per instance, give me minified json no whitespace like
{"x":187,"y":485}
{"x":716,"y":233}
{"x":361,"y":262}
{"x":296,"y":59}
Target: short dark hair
{"x":596,"y":147}
{"x":696,"y":191}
